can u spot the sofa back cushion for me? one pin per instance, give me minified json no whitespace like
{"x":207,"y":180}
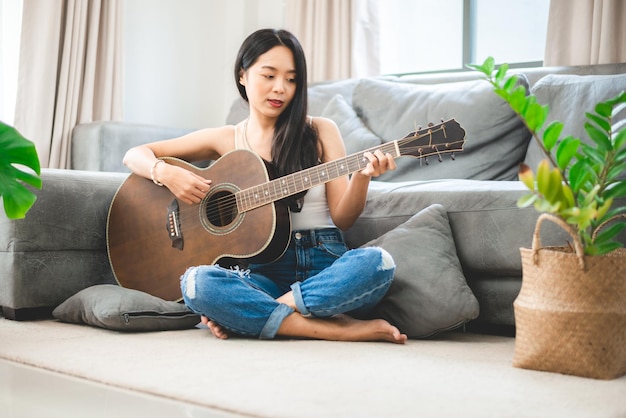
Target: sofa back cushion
{"x":100,"y":146}
{"x":569,"y":97}
{"x":496,"y":139}
{"x":355,"y":134}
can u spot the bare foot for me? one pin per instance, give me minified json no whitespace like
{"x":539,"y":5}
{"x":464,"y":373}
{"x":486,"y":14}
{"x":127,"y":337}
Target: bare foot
{"x":215,"y":328}
{"x":340,"y":328}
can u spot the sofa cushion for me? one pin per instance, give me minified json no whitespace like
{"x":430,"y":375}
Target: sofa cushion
{"x":117,"y":308}
{"x":355,"y":134}
{"x":100,"y":146}
{"x":496,"y":139}
{"x":429,"y":293}
{"x":569,"y":97}
{"x":321,"y":93}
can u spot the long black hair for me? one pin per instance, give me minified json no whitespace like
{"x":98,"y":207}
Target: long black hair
{"x":295,"y":141}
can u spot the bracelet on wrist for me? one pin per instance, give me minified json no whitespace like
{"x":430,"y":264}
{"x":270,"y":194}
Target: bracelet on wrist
{"x":154,"y":180}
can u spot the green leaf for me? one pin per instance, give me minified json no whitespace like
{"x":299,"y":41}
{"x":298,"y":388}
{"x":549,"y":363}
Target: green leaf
{"x":489,"y":65}
{"x":599,"y":137}
{"x":578,"y":174}
{"x":594,"y":155}
{"x":551,"y":134}
{"x":536,"y":115}
{"x":604,"y":110}
{"x":510,"y":83}
{"x":600,"y":121}
{"x":608,"y":233}
{"x":616,"y":170}
{"x":584,"y":218}
{"x":526,"y":175}
{"x":16,"y":151}
{"x":591,"y":196}
{"x":612,"y":213}
{"x":555,"y":185}
{"x":501,"y":73}
{"x":566,"y":151}
{"x":568,"y":197}
{"x":542,"y":205}
{"x":486,"y":67}
{"x":603,"y":248}
{"x":543,"y":177}
{"x":517,"y":99}
{"x":616,"y":190}
{"x":526,"y":200}
{"x":620,"y":139}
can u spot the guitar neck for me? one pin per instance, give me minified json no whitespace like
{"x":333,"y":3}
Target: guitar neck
{"x":447,"y":137}
{"x":300,"y":181}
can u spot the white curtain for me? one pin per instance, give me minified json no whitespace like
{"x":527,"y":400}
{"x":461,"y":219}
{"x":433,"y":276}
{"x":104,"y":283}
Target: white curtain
{"x":336,"y":47}
{"x":582,"y":32}
{"x":70,"y":71}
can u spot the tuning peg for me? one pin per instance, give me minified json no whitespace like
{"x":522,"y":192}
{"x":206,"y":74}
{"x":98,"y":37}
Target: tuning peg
{"x":430,"y":124}
{"x":452,"y":157}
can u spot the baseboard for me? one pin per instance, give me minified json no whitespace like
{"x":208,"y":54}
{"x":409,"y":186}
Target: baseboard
{"x":26,"y":314}
{"x":490,"y":329}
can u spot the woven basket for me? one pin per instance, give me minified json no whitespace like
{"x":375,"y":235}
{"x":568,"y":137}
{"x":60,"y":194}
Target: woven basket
{"x":570,"y":314}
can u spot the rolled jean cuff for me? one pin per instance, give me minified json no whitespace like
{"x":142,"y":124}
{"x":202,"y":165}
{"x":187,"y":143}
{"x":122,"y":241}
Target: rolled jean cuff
{"x":297,"y":297}
{"x":276,"y":318}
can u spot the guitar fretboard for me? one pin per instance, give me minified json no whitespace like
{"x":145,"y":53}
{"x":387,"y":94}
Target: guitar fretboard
{"x":291,"y":184}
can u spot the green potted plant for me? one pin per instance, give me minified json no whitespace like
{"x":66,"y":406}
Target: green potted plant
{"x":17,"y":153}
{"x":570,"y":314}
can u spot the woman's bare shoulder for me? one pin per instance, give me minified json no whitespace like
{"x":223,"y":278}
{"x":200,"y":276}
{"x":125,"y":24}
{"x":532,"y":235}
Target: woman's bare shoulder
{"x":220,"y":139}
{"x":320,"y":122}
{"x":330,"y":138}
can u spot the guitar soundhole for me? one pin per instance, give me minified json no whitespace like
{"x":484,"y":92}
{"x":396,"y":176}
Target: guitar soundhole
{"x":221,"y":209}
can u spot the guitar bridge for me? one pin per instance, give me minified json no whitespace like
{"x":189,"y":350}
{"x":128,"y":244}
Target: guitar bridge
{"x":173,"y":225}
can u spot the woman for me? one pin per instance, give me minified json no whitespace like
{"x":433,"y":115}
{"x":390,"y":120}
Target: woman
{"x":317,"y":287}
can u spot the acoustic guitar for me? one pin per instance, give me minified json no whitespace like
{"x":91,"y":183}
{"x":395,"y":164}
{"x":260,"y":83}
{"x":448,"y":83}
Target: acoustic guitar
{"x":152,"y":238}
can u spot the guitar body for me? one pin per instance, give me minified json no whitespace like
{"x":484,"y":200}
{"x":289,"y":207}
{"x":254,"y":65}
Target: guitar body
{"x":152,"y":238}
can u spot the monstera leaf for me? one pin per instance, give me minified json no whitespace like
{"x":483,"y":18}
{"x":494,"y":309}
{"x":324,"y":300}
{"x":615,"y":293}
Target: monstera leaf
{"x":17,"y":155}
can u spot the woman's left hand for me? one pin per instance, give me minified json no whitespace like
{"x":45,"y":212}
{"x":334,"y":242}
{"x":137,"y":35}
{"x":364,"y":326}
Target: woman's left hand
{"x":379,"y":163}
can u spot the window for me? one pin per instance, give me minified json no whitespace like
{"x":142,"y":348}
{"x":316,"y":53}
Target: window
{"x":10,"y":25}
{"x":429,"y":35}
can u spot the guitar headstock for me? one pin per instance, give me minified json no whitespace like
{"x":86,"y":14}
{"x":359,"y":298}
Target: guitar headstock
{"x":444,"y":138}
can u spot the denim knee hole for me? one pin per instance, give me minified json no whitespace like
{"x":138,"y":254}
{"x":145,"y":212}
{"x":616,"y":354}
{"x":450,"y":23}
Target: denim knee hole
{"x":189,"y":280}
{"x":387,"y":262}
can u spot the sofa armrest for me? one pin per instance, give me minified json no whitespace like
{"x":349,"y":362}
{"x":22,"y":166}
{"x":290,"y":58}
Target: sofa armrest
{"x":59,"y":248}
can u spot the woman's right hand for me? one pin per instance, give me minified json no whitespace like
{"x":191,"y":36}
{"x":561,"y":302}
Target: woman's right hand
{"x":184,"y":184}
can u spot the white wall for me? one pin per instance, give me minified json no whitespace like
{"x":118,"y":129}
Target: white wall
{"x":180,"y":54}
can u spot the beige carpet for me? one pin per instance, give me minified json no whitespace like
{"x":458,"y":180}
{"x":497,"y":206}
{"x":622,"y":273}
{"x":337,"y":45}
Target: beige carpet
{"x":456,"y":375}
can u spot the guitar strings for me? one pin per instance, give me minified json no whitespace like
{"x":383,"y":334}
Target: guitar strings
{"x":226,"y":205}
{"x":229,"y":202}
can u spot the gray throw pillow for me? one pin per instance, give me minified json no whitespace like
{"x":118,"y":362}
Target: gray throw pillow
{"x":355,"y":134}
{"x":429,"y":293}
{"x":121,"y":309}
{"x":569,"y":98}
{"x":496,"y":139}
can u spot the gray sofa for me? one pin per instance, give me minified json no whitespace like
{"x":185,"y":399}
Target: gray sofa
{"x":60,"y":247}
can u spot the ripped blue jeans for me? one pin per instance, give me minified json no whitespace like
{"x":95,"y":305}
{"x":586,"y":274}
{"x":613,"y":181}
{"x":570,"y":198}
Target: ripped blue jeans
{"x":326,"y":280}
